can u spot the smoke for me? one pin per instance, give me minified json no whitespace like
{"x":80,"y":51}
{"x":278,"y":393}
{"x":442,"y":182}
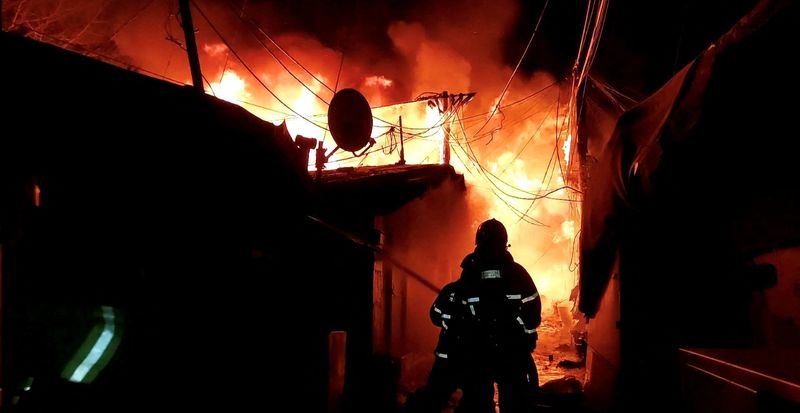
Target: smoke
{"x":454,"y":46}
{"x":458,"y":48}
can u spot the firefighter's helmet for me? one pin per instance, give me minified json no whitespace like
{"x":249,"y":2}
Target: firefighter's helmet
{"x":491,"y":234}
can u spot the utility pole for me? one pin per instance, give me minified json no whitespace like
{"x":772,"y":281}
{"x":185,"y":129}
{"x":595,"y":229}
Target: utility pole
{"x":446,"y":103}
{"x":402,"y":147}
{"x":191,"y":45}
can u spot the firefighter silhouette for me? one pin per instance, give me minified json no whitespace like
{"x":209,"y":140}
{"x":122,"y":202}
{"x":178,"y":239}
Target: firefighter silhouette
{"x":488,"y":320}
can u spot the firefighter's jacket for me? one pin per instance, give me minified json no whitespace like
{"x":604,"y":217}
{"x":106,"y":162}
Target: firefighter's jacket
{"x":447,"y":312}
{"x":494,"y":306}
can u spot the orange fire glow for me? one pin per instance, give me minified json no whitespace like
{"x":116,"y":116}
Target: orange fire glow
{"x":231,"y":88}
{"x":542,"y":232}
{"x":566,"y":148}
{"x":514,"y":151}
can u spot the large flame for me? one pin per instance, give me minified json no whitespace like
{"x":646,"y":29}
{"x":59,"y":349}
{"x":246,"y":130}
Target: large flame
{"x":230,"y":87}
{"x":510,"y":142}
{"x":504,"y":161}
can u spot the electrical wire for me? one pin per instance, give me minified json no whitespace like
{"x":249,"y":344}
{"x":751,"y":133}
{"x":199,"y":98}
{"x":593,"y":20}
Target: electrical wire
{"x":546,"y":171}
{"x":244,"y":102}
{"x":442,"y":119}
{"x":125,"y":24}
{"x":278,"y":46}
{"x":100,"y":10}
{"x":335,"y":89}
{"x":214,"y":28}
{"x":486,"y":173}
{"x":514,"y":72}
{"x":528,"y":219}
{"x":528,"y":141}
{"x":378,"y":250}
{"x":117,"y":62}
{"x":572,"y":253}
{"x":515,"y":122}
{"x":494,"y":188}
{"x":378,"y":149}
{"x":280,"y":62}
{"x":524,"y":117}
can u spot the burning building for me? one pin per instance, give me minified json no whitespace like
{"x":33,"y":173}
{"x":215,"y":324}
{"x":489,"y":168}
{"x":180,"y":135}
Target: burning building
{"x":171,"y":225}
{"x":380,"y":304}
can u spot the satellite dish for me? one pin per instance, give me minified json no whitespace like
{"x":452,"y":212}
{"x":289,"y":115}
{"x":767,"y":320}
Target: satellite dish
{"x":350,"y":119}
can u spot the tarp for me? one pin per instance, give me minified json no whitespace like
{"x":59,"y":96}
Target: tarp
{"x":711,"y":137}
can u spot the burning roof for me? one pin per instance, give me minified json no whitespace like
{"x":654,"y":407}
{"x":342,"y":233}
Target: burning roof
{"x":381,"y":189}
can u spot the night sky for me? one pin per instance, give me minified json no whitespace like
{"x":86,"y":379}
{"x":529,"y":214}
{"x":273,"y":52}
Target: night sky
{"x":643,"y":44}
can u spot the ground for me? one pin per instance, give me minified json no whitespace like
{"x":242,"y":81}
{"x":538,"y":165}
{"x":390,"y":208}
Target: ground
{"x":558,"y":361}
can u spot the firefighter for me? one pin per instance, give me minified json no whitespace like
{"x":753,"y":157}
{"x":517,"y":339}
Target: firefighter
{"x":502,"y":310}
{"x":447,"y":313}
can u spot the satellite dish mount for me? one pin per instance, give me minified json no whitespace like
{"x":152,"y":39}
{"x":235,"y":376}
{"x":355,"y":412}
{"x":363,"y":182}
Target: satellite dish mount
{"x":350,"y":122}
